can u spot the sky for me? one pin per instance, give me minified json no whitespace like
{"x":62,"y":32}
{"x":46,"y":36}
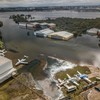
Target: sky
{"x":17,"y":3}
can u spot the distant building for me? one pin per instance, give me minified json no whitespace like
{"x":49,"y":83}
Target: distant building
{"x":51,"y":25}
{"x":44,"y":25}
{"x":43,"y":33}
{"x":22,"y":24}
{"x":36,"y":25}
{"x":28,"y":25}
{"x":6,"y":69}
{"x":70,"y":88}
{"x":62,"y":35}
{"x":48,"y":25}
{"x":93,"y":31}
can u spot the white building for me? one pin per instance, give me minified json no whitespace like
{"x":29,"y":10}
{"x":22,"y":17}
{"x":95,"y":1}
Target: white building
{"x":6,"y":69}
{"x":93,"y":31}
{"x":51,"y":25}
{"x":26,"y":25}
{"x":22,"y":24}
{"x":62,"y":35}
{"x":43,"y":33}
{"x":70,"y":88}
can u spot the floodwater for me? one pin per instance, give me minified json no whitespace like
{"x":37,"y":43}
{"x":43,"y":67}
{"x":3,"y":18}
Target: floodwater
{"x":55,"y":14}
{"x":82,"y":50}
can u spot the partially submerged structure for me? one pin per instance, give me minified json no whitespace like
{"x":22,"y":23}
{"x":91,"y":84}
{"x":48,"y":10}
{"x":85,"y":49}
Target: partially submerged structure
{"x":6,"y":69}
{"x":43,"y":33}
{"x":36,"y":25}
{"x":28,"y":25}
{"x":22,"y":25}
{"x":62,"y":35}
{"x":70,"y":88}
{"x":93,"y":31}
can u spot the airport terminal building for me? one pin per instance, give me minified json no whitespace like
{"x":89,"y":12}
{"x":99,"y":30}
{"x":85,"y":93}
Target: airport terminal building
{"x":6,"y":69}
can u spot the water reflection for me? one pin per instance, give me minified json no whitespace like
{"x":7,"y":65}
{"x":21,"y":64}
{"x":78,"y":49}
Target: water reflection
{"x":24,"y":42}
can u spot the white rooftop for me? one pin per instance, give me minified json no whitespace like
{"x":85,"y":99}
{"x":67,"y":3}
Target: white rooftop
{"x":62,"y":34}
{"x":44,"y":23}
{"x":93,"y":30}
{"x":4,"y":60}
{"x":44,"y":31}
{"x":51,"y":24}
{"x":34,"y":23}
{"x":4,"y":64}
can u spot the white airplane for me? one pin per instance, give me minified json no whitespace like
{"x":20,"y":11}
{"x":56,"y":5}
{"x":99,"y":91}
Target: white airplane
{"x":2,"y":52}
{"x":83,"y":76}
{"x":61,"y":82}
{"x":22,"y":61}
{"x":72,"y":80}
{"x":25,"y":56}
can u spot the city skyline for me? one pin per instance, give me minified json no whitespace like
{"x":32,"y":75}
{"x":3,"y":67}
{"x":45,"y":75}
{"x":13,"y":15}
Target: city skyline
{"x":34,"y":3}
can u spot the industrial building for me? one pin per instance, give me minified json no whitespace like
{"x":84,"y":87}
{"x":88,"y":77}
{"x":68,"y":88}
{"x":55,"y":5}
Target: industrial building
{"x":70,"y":88}
{"x":62,"y":35}
{"x":6,"y":69}
{"x":44,"y":25}
{"x":28,"y":25}
{"x":43,"y":33}
{"x":36,"y":25}
{"x":93,"y":31}
{"x":22,"y":25}
{"x":48,"y":25}
{"x":51,"y":25}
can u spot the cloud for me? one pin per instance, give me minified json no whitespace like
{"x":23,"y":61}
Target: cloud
{"x":45,"y":2}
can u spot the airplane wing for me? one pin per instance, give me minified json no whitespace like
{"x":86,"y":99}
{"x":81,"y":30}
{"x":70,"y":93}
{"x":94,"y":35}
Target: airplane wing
{"x":17,"y":63}
{"x":4,"y":51}
{"x":19,"y":60}
{"x":25,"y":56}
{"x":24,"y":62}
{"x":1,"y":54}
{"x":79,"y":73}
{"x":87,"y":79}
{"x":75,"y":83}
{"x":68,"y":76}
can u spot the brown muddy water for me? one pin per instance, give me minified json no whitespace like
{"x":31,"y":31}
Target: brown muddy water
{"x":81,"y":50}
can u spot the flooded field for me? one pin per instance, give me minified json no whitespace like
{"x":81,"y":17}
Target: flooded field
{"x":58,"y":54}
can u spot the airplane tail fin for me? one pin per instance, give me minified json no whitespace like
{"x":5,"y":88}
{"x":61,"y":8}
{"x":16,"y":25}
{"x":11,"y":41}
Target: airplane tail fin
{"x":68,"y":76}
{"x":25,"y":56}
{"x":78,"y":72}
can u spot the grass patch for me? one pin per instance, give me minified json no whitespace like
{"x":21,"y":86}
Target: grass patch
{"x":1,"y":44}
{"x":3,"y":96}
{"x":72,"y":72}
{"x":77,"y":26}
{"x":62,"y":75}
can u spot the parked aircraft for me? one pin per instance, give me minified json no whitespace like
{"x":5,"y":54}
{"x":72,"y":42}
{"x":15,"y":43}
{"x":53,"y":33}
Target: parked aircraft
{"x":83,"y":76}
{"x":60,"y":83}
{"x":22,"y":61}
{"x":2,"y":52}
{"x":72,"y":80}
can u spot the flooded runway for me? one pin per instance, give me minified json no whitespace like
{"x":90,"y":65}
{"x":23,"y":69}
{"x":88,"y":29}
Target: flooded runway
{"x":60,"y":55}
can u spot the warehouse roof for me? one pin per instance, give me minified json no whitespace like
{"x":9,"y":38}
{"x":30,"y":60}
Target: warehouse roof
{"x":4,"y":60}
{"x":4,"y":64}
{"x":62,"y":34}
{"x":44,"y":23}
{"x":93,"y":30}
{"x":44,"y":31}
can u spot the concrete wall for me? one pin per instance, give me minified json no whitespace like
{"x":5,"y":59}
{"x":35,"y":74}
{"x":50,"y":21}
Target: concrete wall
{"x":6,"y":69}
